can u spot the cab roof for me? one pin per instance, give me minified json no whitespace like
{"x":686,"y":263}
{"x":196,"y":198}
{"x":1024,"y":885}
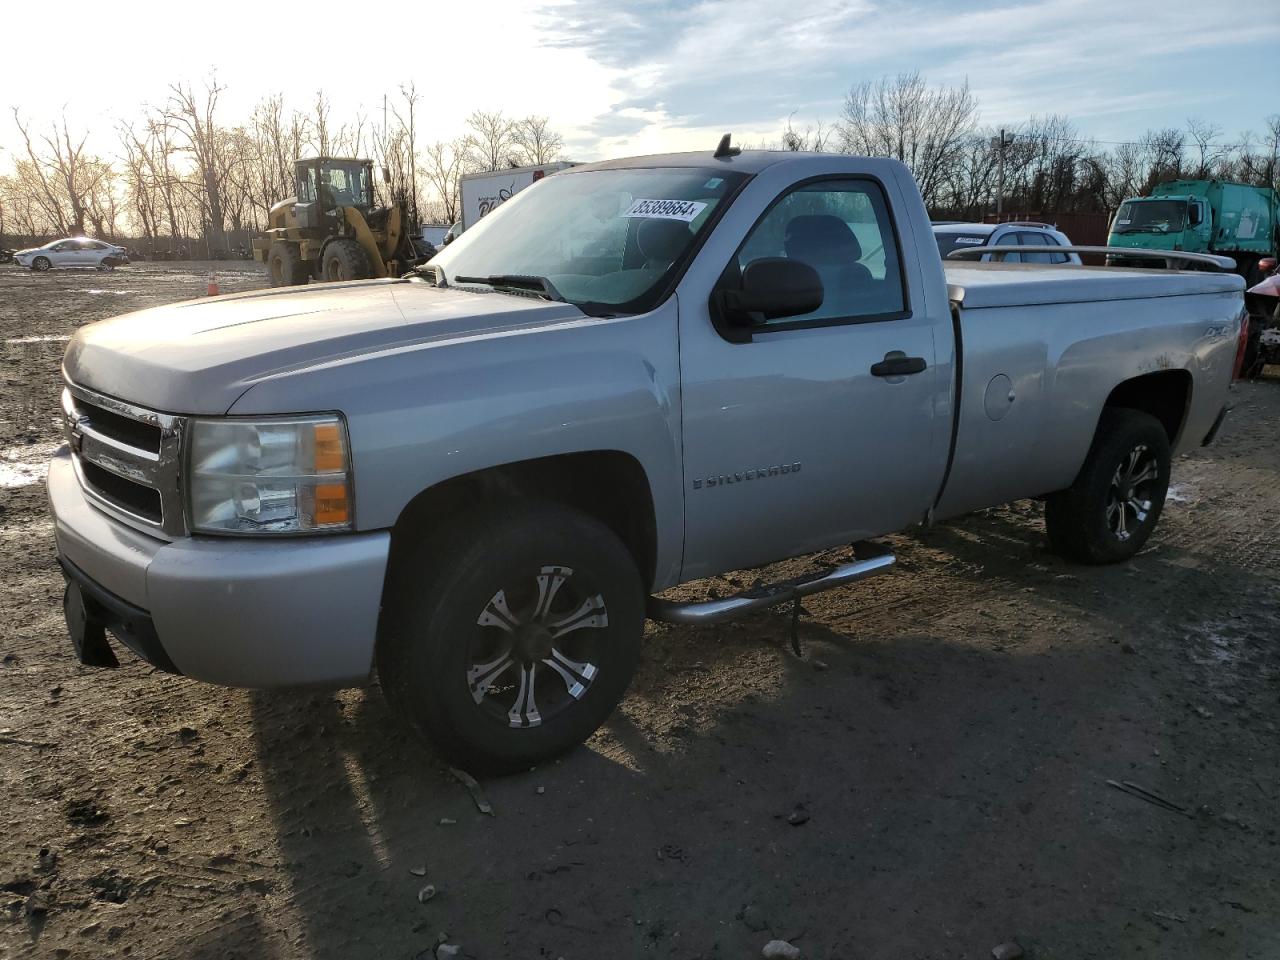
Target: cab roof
{"x":748,"y":161}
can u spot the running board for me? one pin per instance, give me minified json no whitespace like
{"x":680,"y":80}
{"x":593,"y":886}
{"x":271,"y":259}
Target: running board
{"x":718,"y":611}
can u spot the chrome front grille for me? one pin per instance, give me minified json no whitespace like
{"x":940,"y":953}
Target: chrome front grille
{"x":127,"y":458}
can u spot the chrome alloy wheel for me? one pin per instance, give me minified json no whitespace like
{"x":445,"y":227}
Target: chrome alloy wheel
{"x":1129,"y":496}
{"x":536,"y":650}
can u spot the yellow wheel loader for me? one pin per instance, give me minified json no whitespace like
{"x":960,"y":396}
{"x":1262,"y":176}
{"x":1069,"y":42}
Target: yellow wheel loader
{"x":333,"y":230}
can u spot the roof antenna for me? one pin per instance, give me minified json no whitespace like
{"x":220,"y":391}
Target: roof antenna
{"x":724,"y":150}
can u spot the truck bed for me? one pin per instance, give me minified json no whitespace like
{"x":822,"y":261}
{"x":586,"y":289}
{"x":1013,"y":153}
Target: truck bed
{"x":978,"y":285}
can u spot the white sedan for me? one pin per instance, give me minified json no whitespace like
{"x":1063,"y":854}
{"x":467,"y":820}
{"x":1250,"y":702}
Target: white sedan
{"x":73,"y":252}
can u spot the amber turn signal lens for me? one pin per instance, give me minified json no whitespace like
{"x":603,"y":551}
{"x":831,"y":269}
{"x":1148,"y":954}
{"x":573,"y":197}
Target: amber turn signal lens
{"x":331,"y":504}
{"x":330,"y":456}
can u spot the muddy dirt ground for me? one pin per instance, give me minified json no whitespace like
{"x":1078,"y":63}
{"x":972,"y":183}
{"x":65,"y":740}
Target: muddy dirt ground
{"x":945,"y":746}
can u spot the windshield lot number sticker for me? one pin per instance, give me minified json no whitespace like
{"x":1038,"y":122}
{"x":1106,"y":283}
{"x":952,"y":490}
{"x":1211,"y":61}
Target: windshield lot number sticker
{"x":684,"y":210}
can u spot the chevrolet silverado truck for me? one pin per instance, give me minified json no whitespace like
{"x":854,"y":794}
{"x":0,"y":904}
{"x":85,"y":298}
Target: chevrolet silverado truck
{"x":477,"y":479}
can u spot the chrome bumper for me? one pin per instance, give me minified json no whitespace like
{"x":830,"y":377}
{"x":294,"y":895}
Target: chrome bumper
{"x":241,"y":613}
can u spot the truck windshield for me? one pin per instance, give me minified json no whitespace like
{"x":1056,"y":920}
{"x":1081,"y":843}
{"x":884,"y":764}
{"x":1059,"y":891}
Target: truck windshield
{"x":1150,"y":216}
{"x":609,"y":241}
{"x":340,"y":184}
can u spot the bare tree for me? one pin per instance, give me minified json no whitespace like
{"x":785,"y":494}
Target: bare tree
{"x":1269,"y":170}
{"x":902,"y":117}
{"x":193,"y":120}
{"x":1164,"y":151}
{"x":61,"y":175}
{"x":320,"y":125}
{"x":446,"y":162}
{"x":409,"y":129}
{"x":1208,"y":154}
{"x":492,"y":142}
{"x":139,"y":186}
{"x":816,"y":137}
{"x":535,"y":142}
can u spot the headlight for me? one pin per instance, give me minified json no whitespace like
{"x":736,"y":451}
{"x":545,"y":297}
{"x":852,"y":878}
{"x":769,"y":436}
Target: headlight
{"x":282,"y":475}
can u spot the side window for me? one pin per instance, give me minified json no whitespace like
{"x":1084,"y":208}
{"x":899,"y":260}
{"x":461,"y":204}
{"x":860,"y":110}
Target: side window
{"x":307,"y":185}
{"x":1053,"y":241}
{"x":64,"y":246}
{"x":1009,"y":239}
{"x":842,"y":229}
{"x":1037,"y":240}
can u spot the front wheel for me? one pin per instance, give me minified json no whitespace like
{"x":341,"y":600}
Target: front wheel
{"x":284,"y":263}
{"x":40,"y":264}
{"x":512,"y":636}
{"x":1109,"y":512}
{"x":345,"y":260}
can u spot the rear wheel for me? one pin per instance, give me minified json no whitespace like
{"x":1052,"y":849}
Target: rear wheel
{"x":345,"y":260}
{"x":512,"y":636}
{"x":284,"y":261}
{"x":1109,"y":512}
{"x":40,"y":264}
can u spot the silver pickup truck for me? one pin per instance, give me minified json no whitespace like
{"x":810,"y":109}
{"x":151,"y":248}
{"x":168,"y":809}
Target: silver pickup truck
{"x":636,"y":373}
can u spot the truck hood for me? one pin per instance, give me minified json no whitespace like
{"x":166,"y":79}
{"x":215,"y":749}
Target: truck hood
{"x":200,"y":356}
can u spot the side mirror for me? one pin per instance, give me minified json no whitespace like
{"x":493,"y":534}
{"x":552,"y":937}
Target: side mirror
{"x":1194,"y":214}
{"x":773,"y":287}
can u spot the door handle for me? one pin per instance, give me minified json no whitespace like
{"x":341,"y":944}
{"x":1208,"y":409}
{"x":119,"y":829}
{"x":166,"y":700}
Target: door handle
{"x":898,"y":364}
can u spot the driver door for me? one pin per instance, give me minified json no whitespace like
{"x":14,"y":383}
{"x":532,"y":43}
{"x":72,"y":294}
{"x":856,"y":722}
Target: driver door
{"x":64,"y":254}
{"x":792,"y":443}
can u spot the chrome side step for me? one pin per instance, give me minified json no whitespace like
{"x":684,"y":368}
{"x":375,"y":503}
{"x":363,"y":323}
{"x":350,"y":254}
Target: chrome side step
{"x":718,"y":611}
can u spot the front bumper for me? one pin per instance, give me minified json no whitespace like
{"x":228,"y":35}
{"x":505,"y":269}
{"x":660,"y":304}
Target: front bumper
{"x":231,"y":611}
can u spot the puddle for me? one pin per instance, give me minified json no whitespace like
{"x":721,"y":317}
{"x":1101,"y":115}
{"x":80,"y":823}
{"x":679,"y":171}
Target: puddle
{"x":25,"y":465}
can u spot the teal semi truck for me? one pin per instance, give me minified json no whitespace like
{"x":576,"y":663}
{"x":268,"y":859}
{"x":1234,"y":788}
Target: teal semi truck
{"x":1236,"y":220}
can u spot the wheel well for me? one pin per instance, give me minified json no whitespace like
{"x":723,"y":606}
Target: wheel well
{"x":606,"y":484}
{"x":1166,"y":395}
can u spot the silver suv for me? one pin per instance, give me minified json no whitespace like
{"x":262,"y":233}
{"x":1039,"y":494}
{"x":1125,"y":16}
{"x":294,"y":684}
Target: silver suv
{"x":955,"y":236}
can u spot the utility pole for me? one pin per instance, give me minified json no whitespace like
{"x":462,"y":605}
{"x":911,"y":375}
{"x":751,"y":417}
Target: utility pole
{"x":1005,"y":141}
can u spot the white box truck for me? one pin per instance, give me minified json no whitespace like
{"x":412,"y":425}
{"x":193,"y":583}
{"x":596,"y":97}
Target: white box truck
{"x":483,"y":192}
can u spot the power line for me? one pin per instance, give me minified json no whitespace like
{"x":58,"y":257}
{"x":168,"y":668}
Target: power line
{"x":1121,"y":143}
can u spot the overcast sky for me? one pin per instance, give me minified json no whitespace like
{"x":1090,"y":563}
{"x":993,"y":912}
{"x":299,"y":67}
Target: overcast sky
{"x":619,"y":78}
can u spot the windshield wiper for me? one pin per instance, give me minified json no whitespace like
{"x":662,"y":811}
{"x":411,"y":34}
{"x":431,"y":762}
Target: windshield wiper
{"x":517,"y":281}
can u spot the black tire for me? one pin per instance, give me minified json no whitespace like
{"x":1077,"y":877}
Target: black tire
{"x":1109,"y":512}
{"x":40,"y":264}
{"x":447,"y":602}
{"x":1252,"y":363}
{"x":344,"y":260}
{"x":284,"y":262}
